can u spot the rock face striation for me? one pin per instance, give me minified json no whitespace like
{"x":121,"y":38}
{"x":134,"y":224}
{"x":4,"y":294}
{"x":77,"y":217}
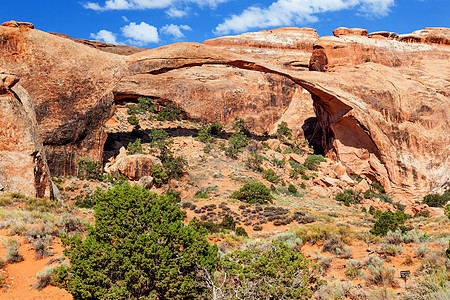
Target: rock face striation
{"x":379,"y":103}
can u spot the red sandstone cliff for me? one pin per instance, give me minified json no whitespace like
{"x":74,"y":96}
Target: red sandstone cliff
{"x":382,"y":106}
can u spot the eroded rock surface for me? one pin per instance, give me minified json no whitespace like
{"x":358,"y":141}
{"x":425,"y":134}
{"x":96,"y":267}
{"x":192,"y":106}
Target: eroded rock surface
{"x":382,"y":104}
{"x":70,"y":86}
{"x":23,"y":167}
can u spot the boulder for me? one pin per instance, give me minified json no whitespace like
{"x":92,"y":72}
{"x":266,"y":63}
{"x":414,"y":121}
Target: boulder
{"x":13,"y":23}
{"x":362,"y":186}
{"x":146,"y":182}
{"x":134,"y":167}
{"x":344,"y":31}
{"x":296,"y":158}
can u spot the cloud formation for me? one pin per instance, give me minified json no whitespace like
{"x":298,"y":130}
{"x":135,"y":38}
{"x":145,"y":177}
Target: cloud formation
{"x":140,"y":34}
{"x":105,"y":36}
{"x":148,"y":4}
{"x":290,"y":12}
{"x":174,"y":30}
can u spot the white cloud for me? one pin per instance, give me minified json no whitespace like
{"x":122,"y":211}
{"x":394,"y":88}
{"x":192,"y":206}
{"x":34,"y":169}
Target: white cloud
{"x":105,"y":36}
{"x":175,"y":30}
{"x":290,"y":12}
{"x":174,"y":12}
{"x":147,"y":4}
{"x":140,"y":34}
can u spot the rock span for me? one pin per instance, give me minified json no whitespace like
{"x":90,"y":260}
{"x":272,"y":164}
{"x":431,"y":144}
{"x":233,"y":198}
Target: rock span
{"x":381,"y":105}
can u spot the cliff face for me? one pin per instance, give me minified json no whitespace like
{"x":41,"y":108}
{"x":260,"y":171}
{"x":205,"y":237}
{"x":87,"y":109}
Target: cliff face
{"x":23,"y":166}
{"x":70,"y":86}
{"x":379,"y":103}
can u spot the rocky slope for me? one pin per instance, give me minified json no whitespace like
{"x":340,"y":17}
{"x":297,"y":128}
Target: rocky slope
{"x":382,"y":105}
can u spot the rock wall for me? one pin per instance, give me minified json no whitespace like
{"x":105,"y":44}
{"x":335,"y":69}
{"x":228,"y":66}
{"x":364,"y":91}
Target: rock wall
{"x":381,"y":102}
{"x":70,"y":85}
{"x":23,"y":166}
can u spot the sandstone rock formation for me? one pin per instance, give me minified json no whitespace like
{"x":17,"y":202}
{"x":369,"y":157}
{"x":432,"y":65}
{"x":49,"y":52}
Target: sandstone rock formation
{"x":381,"y":108}
{"x":23,"y":166}
{"x":289,"y":47}
{"x":136,"y":166}
{"x":70,"y":86}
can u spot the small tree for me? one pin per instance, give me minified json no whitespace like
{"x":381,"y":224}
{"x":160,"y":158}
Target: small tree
{"x":270,"y":176}
{"x":283,"y":132}
{"x":161,"y":140}
{"x":389,"y":221}
{"x":253,"y":193}
{"x":170,"y":113}
{"x":89,"y":169}
{"x":133,"y":120}
{"x":146,"y":104}
{"x":271,"y":272}
{"x":239,"y":125}
{"x":237,"y":141}
{"x":312,"y":161}
{"x":135,"y":147}
{"x":436,"y":200}
{"x":139,"y":248}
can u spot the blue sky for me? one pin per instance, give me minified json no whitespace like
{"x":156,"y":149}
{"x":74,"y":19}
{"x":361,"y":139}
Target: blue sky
{"x":153,"y":23}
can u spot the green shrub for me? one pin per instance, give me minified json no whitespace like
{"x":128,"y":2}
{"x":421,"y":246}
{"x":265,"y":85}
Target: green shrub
{"x":270,"y":176}
{"x":228,"y":222}
{"x":447,"y":211}
{"x":133,"y":109}
{"x":175,"y":166}
{"x":436,"y":200}
{"x":253,"y":193}
{"x":254,"y":162}
{"x":305,"y":177}
{"x":240,"y":126}
{"x":240,"y":231}
{"x":205,"y":133}
{"x":389,"y":221}
{"x":237,"y":141}
{"x":283,"y":132}
{"x":162,"y":141}
{"x":201,"y":195}
{"x":146,"y":104}
{"x":272,"y":272}
{"x":376,"y":185}
{"x":298,"y":169}
{"x":133,"y":120}
{"x":160,"y":175}
{"x":312,"y":162}
{"x":88,"y":169}
{"x":170,"y":113}
{"x":302,"y":185}
{"x":279,"y":162}
{"x":85,"y":202}
{"x":349,"y":196}
{"x":135,"y":147}
{"x":368,"y":194}
{"x":292,"y":189}
{"x":139,"y":248}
